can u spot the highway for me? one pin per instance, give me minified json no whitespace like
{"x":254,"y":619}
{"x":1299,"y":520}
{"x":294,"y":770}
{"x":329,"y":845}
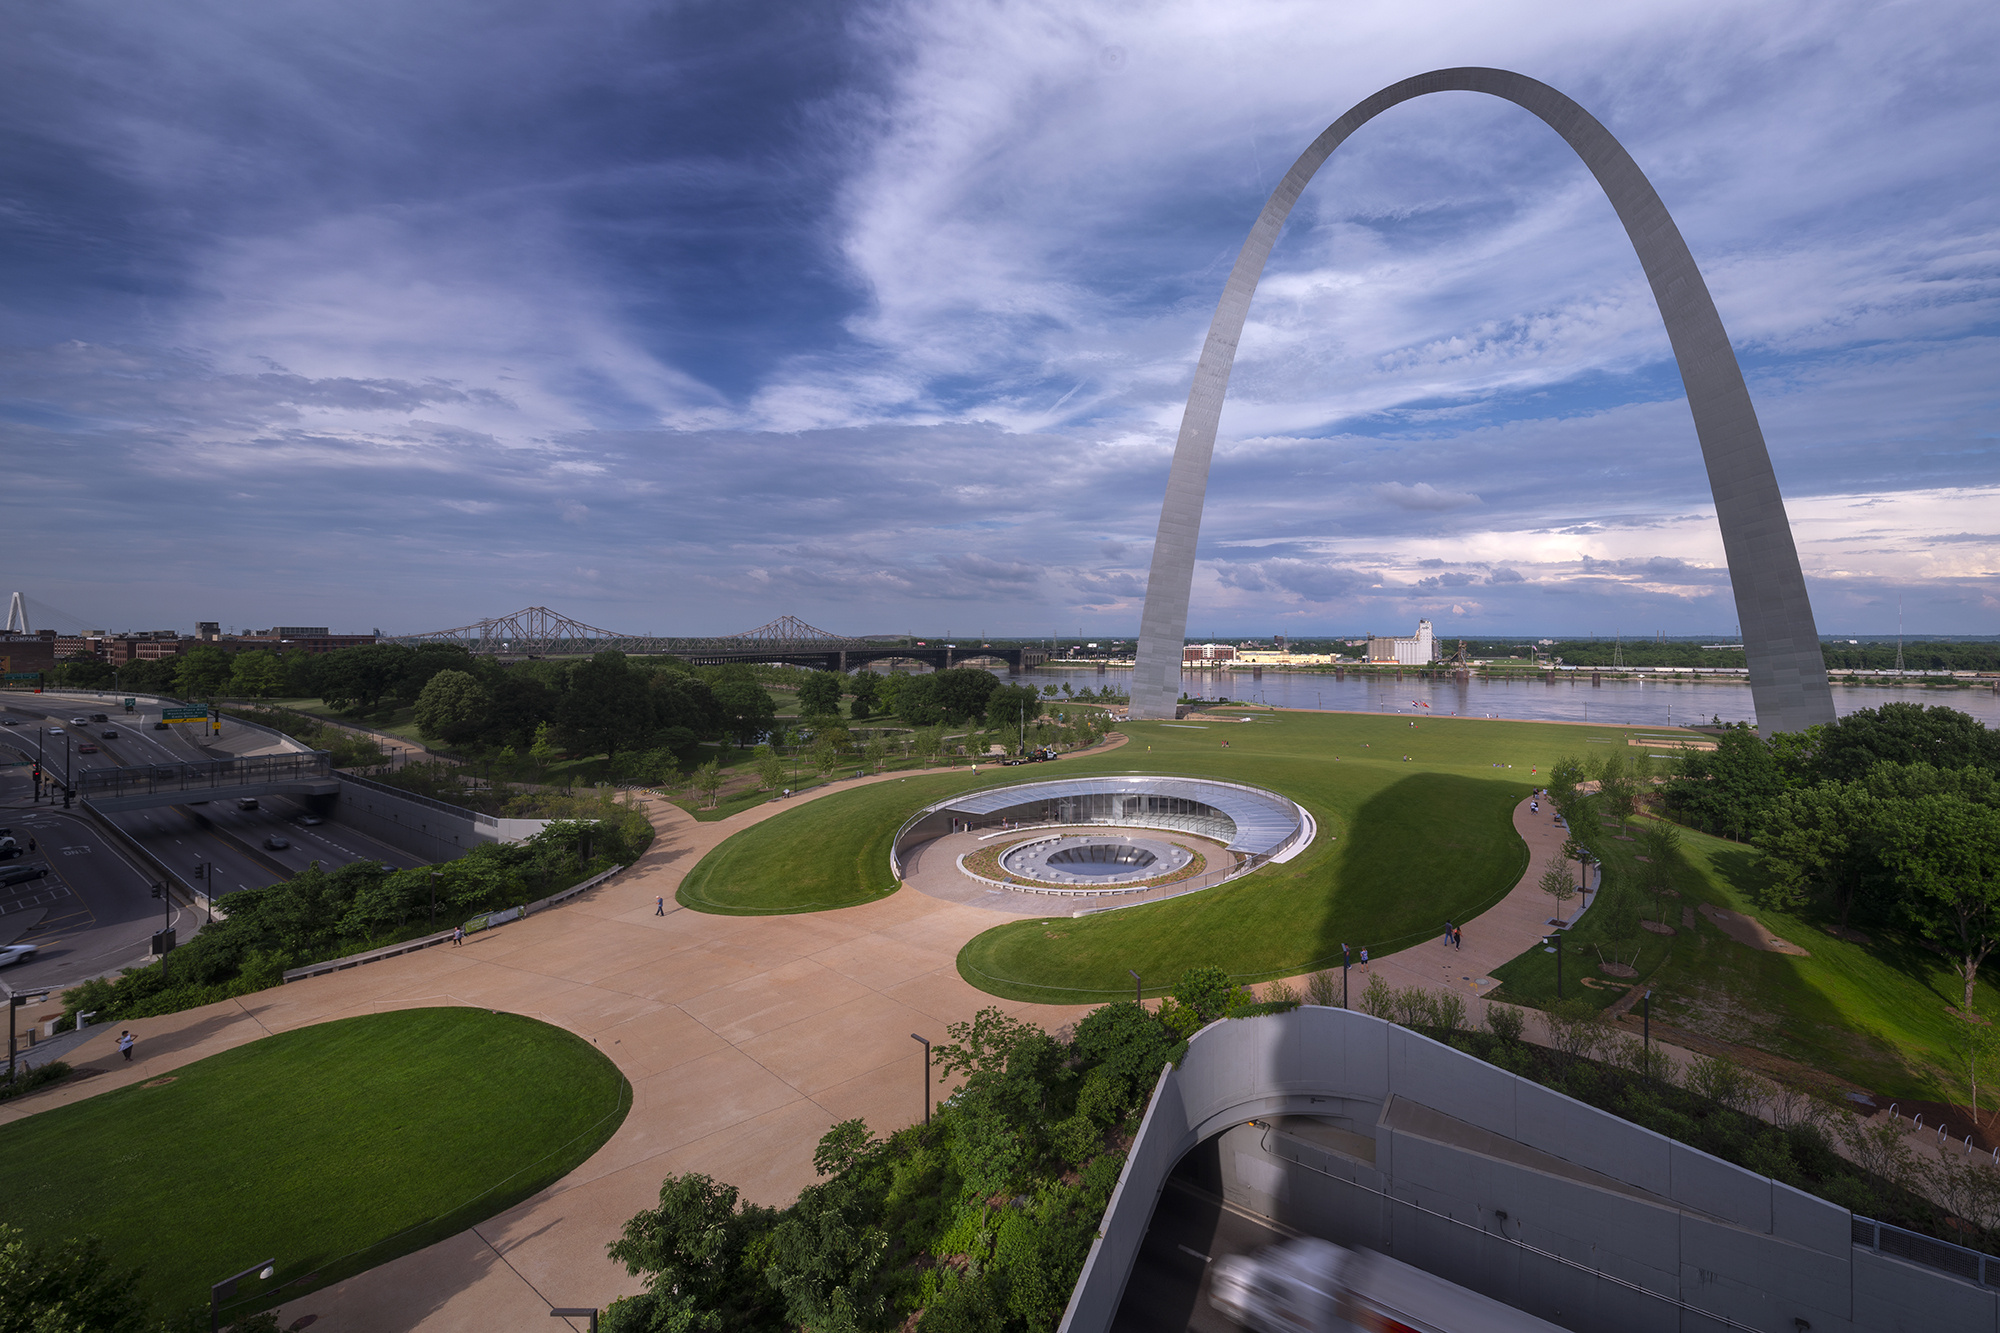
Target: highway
{"x":108,"y":914}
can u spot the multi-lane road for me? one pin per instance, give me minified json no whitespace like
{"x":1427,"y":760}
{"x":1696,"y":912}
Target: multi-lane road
{"x":99,"y":910}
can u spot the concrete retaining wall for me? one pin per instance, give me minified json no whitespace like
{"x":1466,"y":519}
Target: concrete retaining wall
{"x":1375,"y":1136}
{"x":424,"y":828}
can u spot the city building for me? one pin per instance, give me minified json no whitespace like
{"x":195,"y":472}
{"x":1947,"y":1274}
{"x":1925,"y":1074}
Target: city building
{"x":1207,"y":654}
{"x":1417,"y":649}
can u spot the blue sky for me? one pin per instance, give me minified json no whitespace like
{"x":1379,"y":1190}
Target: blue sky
{"x":681,"y":317}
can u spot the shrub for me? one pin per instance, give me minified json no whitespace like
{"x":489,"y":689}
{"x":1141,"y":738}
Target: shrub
{"x":1505,"y":1022}
{"x":1377,"y":1000}
{"x":1323,"y":989}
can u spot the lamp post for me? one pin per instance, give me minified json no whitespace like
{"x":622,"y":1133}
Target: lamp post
{"x":1555,"y":941}
{"x":1138,"y":988}
{"x":1346,"y":957}
{"x":226,"y":1288}
{"x":1648,"y":1039}
{"x":570,"y":1312}
{"x":205,"y":872}
{"x":927,"y":1076}
{"x":434,"y":899}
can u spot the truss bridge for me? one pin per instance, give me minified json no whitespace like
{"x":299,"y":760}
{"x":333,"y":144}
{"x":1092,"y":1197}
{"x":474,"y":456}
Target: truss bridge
{"x":539,"y":632}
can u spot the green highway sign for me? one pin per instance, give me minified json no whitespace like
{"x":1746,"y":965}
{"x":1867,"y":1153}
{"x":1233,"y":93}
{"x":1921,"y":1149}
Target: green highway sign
{"x":183,"y":714}
{"x":130,"y":702}
{"x":24,"y":675}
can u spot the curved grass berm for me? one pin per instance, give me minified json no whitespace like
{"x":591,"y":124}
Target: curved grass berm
{"x":334,"y":1148}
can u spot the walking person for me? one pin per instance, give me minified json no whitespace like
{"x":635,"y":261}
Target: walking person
{"x":1457,"y":937}
{"x":125,"y":1045}
{"x":457,"y":936}
{"x":1364,"y":958}
{"x":1447,"y":932}
{"x":660,"y":905}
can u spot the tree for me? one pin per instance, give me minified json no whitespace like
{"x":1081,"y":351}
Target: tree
{"x":877,"y":752}
{"x":747,"y":709}
{"x":961,"y":693}
{"x":819,"y":696}
{"x":452,"y":707}
{"x":356,"y":679}
{"x":1662,"y":845}
{"x":770,"y":768}
{"x":1945,"y":852}
{"x":1010,"y":705}
{"x":1565,"y":776}
{"x":829,"y":745}
{"x":927,"y":743}
{"x":201,"y":672}
{"x":701,"y":1264}
{"x":867,"y":687}
{"x":1729,"y":789}
{"x":1558,"y":882}
{"x":1616,"y":789}
{"x":1904,"y":733}
{"x":607,"y":703}
{"x":65,"y":1288}
{"x":708,"y":781}
{"x":544,"y":751}
{"x":256,"y":675}
{"x":1819,"y":843}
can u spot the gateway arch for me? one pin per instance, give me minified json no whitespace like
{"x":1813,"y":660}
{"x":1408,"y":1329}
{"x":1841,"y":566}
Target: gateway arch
{"x":1787,"y":673}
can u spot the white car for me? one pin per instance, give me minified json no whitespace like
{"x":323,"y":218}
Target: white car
{"x":79,"y":722}
{"x":55,"y":731}
{"x":16,"y":953}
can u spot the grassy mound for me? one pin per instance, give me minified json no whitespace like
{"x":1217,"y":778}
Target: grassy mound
{"x":821,"y":854}
{"x":334,"y":1148}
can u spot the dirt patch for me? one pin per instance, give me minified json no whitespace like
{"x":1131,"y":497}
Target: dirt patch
{"x":1748,"y":930}
{"x":158,"y":1082}
{"x":1617,"y":970}
{"x":1957,"y":1122}
{"x":1775,"y":1067}
{"x":1658,"y":927}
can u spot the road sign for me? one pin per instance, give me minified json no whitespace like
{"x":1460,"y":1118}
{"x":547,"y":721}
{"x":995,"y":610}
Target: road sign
{"x":130,"y":702}
{"x":24,"y":675}
{"x":183,"y":714}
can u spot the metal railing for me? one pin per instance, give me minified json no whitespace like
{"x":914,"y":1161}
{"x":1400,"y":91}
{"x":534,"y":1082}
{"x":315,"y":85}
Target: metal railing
{"x":1928,"y":1251}
{"x":213,"y":775}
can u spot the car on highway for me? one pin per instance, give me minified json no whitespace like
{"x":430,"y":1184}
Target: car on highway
{"x":277,"y":843}
{"x":22,"y":875}
{"x":161,"y":726}
{"x":310,"y":820}
{"x":79,"y":722}
{"x":9,"y":722}
{"x":100,"y":717}
{"x":55,"y":731}
{"x":16,"y":953}
{"x":86,"y":748}
{"x":108,"y":734}
{"x":246,"y":803}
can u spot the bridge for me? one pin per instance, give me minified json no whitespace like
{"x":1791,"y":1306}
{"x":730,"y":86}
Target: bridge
{"x":536,"y":631}
{"x":145,"y":785}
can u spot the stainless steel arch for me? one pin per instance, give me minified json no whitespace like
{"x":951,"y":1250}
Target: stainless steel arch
{"x":1787,"y":673}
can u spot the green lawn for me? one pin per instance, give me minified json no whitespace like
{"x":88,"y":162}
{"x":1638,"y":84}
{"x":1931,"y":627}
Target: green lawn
{"x":332,"y":1148}
{"x":402,"y":722}
{"x":1873,"y":1014}
{"x":1403,"y":846}
{"x":831,"y":852}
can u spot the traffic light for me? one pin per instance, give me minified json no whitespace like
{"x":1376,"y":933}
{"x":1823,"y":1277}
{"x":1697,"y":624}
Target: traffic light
{"x":159,"y":890}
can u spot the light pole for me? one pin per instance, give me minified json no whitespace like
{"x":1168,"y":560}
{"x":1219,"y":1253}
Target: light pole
{"x":1648,"y":1040}
{"x":226,"y":1288}
{"x":1138,"y":988}
{"x":927,"y":1077}
{"x":1346,"y":957}
{"x":434,"y":899}
{"x":205,"y":872}
{"x":569,"y":1312}
{"x":1556,"y":941}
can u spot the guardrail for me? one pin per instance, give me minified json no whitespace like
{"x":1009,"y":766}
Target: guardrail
{"x":1928,"y":1251}
{"x":215,"y":774}
{"x":485,"y":920}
